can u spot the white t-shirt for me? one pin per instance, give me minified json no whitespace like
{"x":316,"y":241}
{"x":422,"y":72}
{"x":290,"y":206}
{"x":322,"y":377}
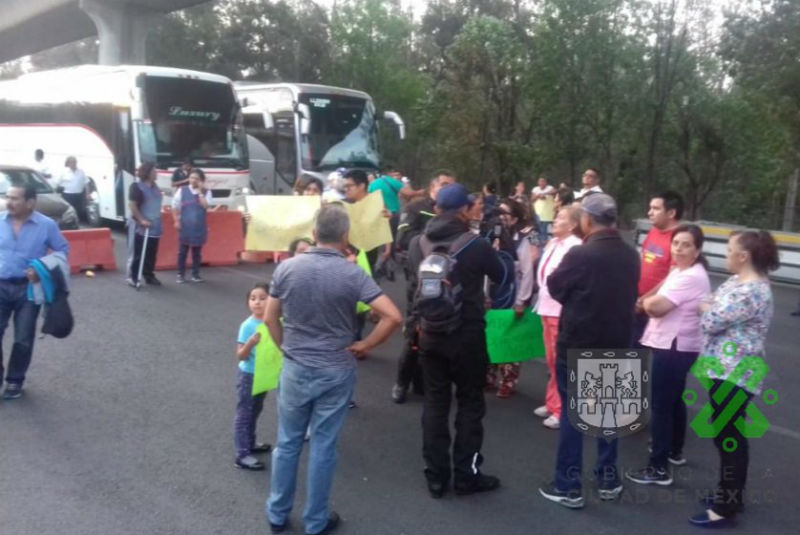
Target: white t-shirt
{"x":73,"y":181}
{"x":176,"y":197}
{"x":579,"y":194}
{"x":547,"y":190}
{"x":42,"y":168}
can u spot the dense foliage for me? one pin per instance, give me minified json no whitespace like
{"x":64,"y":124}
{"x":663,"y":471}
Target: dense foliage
{"x":651,"y":92}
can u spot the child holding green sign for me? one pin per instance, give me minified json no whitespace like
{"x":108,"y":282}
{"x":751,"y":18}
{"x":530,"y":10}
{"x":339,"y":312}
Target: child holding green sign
{"x":249,"y":406}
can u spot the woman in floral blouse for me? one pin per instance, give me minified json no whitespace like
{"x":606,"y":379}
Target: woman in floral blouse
{"x":734,"y":326}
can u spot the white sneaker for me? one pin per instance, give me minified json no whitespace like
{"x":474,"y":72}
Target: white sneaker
{"x":552,"y":422}
{"x":541,"y":412}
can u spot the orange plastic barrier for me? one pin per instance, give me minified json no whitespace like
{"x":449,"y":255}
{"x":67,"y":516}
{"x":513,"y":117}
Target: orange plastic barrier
{"x":225,"y":240}
{"x":90,"y":248}
{"x":167,"y":257}
{"x":256,"y":257}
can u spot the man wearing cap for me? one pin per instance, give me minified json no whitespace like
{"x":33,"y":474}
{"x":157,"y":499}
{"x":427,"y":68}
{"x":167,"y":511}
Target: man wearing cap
{"x":596,"y":284}
{"x":459,"y":357}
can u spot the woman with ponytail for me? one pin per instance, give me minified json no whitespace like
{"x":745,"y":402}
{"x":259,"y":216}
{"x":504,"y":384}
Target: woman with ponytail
{"x":734,"y":326}
{"x":673,"y":335}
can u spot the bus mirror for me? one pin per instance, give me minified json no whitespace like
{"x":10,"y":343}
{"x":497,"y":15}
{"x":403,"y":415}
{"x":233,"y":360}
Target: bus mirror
{"x":255,"y":111}
{"x":269,"y":124}
{"x":137,"y":106}
{"x":305,"y":118}
{"x":398,"y":122}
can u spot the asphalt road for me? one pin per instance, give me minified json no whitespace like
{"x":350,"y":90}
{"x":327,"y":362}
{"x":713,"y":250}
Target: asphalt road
{"x":126,"y":427}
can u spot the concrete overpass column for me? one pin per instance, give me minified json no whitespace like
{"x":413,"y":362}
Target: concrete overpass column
{"x":122,"y":28}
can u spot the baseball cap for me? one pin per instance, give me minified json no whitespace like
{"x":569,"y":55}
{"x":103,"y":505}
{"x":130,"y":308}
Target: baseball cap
{"x":600,"y":205}
{"x":453,"y":197}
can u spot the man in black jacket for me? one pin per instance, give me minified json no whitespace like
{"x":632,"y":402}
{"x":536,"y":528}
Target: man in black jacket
{"x":597,"y":285}
{"x":458,"y":358}
{"x":415,"y":217}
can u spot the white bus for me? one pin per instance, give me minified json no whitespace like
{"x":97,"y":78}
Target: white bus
{"x":305,"y":129}
{"x":113,"y":118}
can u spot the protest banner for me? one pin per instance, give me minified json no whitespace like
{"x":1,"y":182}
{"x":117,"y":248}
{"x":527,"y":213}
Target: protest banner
{"x":369,"y":227}
{"x":513,"y":340}
{"x":276,"y":220}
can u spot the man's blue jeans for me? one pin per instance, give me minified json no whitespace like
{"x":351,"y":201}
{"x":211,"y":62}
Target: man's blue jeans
{"x":569,"y":463}
{"x":319,"y":396}
{"x":14,"y":300}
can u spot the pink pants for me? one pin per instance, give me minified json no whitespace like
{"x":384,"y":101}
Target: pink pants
{"x":552,"y":400}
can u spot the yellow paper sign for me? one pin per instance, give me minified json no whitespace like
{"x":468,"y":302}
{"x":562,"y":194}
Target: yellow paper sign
{"x":369,"y":228}
{"x":544,"y":208}
{"x":276,"y":220}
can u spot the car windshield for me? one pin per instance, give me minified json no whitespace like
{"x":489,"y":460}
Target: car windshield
{"x":342,"y":133}
{"x":22,"y":177}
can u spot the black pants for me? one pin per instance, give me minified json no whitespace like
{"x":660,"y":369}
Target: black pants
{"x":639,"y":325}
{"x":458,"y":359}
{"x":734,"y":455}
{"x":409,"y":370}
{"x":668,"y":424}
{"x":183,"y":252}
{"x":78,"y":201}
{"x":148,"y":270}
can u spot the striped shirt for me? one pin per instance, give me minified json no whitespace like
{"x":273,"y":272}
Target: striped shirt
{"x":318,"y":291}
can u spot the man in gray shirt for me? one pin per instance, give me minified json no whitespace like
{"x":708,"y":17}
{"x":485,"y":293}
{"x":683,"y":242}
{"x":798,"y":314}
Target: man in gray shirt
{"x":316,"y":294}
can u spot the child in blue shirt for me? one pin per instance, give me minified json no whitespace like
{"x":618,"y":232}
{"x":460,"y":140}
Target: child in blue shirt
{"x":249,"y":406}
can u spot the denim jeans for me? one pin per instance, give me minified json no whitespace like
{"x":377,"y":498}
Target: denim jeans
{"x":668,"y":423}
{"x":544,"y":229}
{"x":569,"y":463}
{"x":14,"y":300}
{"x":248,"y":408}
{"x":319,"y":396}
{"x":183,"y":252}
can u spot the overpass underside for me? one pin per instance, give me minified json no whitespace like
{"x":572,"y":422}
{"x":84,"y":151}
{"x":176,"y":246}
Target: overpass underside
{"x":30,"y":26}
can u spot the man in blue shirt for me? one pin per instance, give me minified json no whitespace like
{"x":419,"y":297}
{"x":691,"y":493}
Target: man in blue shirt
{"x":25,"y":235}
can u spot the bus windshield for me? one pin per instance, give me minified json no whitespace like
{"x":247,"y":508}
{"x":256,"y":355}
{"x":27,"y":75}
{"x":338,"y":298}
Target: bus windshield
{"x":342,"y":133}
{"x":190,"y":118}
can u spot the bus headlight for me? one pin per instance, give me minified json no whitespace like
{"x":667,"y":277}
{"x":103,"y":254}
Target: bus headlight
{"x":241,"y":191}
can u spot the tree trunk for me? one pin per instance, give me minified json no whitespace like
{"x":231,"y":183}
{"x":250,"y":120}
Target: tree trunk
{"x":791,"y":199}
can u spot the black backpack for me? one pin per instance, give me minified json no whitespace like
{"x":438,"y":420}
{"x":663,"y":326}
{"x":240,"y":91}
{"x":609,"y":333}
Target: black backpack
{"x":438,"y":297}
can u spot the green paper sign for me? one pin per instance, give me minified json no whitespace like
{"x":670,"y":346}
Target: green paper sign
{"x":513,"y":340}
{"x":269,"y":361}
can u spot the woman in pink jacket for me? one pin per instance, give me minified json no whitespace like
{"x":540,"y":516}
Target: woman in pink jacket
{"x":564,"y":229}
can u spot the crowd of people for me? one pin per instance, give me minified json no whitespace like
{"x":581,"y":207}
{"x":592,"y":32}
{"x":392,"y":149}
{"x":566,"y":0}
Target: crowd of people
{"x":464,"y":252}
{"x":552,"y":250}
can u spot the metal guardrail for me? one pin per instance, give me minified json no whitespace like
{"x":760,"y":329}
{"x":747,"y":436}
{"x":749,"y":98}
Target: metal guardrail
{"x":716,"y":239}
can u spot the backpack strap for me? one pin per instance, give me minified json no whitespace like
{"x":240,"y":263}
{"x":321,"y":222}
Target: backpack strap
{"x":461,"y":243}
{"x":453,"y":247}
{"x":426,"y":245}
